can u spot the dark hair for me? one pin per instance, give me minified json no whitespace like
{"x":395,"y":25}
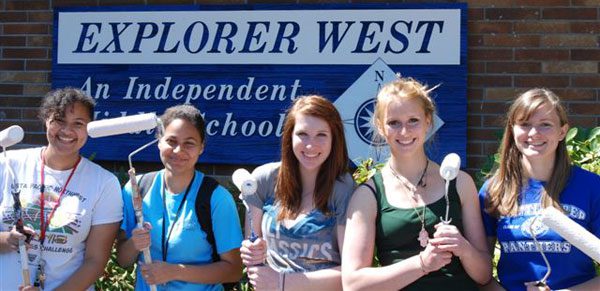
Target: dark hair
{"x":188,"y":113}
{"x":289,"y":186}
{"x":57,"y":101}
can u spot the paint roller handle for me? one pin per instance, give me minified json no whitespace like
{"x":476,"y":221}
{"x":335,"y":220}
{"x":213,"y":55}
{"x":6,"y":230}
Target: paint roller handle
{"x":139,"y":215}
{"x":24,"y":263}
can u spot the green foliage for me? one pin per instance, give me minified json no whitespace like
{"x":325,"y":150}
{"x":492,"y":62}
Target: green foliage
{"x":365,"y":170}
{"x":584,"y":148}
{"x":115,"y":277}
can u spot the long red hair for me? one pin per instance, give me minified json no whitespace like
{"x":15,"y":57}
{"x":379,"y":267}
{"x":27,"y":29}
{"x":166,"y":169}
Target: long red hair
{"x":288,"y":189}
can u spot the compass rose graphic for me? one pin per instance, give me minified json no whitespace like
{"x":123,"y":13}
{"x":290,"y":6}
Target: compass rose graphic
{"x":357,"y":107}
{"x":363,"y":123}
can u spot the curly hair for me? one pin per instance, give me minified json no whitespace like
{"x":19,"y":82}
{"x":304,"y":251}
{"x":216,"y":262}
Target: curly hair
{"x":56,"y":102}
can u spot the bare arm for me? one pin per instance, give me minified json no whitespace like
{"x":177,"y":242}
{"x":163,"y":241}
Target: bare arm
{"x":128,"y":249}
{"x":476,"y":258}
{"x":97,"y":251}
{"x":228,"y":269}
{"x":492,"y":285}
{"x":357,"y":273}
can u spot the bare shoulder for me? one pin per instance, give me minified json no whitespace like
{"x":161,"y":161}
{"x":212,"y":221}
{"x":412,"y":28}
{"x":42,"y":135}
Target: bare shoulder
{"x":363,"y":199}
{"x":465,"y":186}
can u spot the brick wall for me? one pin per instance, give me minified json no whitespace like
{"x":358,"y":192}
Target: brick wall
{"x":512,"y":46}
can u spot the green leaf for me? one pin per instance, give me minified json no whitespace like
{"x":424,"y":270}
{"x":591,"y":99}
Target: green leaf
{"x":571,"y":134}
{"x":594,"y":133}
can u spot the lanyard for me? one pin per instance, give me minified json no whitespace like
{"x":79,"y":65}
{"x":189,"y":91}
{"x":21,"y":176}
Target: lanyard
{"x":43,"y":223}
{"x":165,"y":240}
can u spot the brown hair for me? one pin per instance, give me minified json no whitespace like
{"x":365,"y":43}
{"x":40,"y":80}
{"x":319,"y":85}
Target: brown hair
{"x":507,"y":180}
{"x":288,"y":189}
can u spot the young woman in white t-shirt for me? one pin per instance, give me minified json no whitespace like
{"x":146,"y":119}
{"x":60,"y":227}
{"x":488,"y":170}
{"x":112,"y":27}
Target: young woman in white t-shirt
{"x":71,"y":207}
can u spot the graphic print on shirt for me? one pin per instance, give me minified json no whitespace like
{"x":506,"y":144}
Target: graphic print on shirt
{"x":521,"y":227}
{"x":297,"y":248}
{"x":66,"y":220}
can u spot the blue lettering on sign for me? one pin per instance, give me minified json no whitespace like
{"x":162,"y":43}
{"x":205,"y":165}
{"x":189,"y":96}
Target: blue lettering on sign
{"x":227,"y":37}
{"x":197,"y":34}
{"x":244,"y":67}
{"x":87,"y":35}
{"x":115,"y":37}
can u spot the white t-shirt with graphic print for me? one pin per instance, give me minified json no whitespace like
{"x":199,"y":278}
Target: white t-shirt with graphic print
{"x":92,"y":197}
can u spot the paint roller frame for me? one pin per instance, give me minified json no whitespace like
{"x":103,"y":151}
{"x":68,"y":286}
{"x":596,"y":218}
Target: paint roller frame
{"x":136,"y":197}
{"x":247,"y":185}
{"x":8,"y":137}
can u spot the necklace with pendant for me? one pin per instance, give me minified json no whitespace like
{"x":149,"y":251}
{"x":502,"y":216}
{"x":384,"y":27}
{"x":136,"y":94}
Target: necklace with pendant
{"x":423,"y":237}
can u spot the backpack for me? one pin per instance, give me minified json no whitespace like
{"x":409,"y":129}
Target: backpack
{"x":202,"y":208}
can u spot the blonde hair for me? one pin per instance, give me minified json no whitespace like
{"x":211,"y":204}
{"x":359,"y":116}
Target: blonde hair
{"x":406,"y":89}
{"x":507,"y":180}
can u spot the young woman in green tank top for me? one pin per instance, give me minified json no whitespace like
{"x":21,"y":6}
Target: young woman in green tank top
{"x":398,"y":212}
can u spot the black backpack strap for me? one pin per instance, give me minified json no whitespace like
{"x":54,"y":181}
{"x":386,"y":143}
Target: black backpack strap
{"x":203,"y":212}
{"x":145,"y":182}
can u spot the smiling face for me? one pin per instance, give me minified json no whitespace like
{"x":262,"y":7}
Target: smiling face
{"x":404,"y":126}
{"x":311,"y":142}
{"x":538,"y":136}
{"x":180,"y":146}
{"x":67,"y":134}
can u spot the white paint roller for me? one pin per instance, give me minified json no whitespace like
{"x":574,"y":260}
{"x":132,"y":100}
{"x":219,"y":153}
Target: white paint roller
{"x":11,"y":136}
{"x":450,"y":167}
{"x":449,"y":170}
{"x":8,"y":137}
{"x":129,"y":124}
{"x":572,"y":232}
{"x":243,"y":180}
{"x":247,"y":185}
{"x":121,"y":125}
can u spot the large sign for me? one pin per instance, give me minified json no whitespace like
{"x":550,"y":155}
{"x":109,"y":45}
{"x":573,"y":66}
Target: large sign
{"x":242,"y":66}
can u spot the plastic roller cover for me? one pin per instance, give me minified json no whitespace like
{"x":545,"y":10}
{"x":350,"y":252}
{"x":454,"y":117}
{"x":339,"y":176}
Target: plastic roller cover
{"x":121,"y":125}
{"x":244,"y":181}
{"x":11,"y":136}
{"x":572,"y":232}
{"x":450,"y":166}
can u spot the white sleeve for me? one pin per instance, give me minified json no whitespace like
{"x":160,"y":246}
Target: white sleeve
{"x":109,"y":206}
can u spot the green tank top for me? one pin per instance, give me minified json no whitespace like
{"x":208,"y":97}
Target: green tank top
{"x":397,"y":230}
